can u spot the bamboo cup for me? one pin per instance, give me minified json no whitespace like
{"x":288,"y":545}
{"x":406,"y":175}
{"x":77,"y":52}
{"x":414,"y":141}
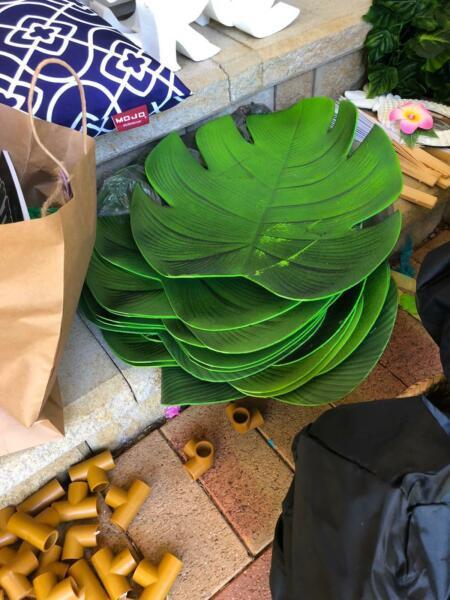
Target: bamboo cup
{"x":37,"y":534}
{"x":93,"y":470}
{"x":78,"y":504}
{"x":157,"y":581}
{"x":201,"y":457}
{"x":243,"y":418}
{"x":49,"y":562}
{"x":6,"y":537}
{"x":113,"y":570}
{"x":14,"y":570}
{"x":126,"y":503}
{"x":47,"y":587}
{"x":79,"y":537}
{"x":87,"y":580}
{"x":48,"y":494}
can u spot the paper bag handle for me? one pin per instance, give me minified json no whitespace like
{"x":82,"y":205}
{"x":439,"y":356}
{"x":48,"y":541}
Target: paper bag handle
{"x":41,"y":65}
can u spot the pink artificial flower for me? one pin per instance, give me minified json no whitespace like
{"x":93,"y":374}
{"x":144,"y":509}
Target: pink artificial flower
{"x":412,"y":116}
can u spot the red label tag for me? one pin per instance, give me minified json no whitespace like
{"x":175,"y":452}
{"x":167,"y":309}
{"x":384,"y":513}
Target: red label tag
{"x":136,"y":117}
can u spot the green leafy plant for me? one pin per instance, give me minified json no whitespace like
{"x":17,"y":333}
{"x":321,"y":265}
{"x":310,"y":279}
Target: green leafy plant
{"x":263,"y":270}
{"x":408,"y":48}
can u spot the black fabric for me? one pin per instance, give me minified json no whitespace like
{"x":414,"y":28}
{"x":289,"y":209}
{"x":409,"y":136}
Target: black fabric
{"x":433,"y":300}
{"x":368,"y":514}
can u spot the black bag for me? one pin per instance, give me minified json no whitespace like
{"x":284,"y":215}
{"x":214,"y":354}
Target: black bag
{"x":367,"y":516}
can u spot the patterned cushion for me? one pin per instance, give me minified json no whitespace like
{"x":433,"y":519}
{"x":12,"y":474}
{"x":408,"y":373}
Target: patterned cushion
{"x":117,"y":75}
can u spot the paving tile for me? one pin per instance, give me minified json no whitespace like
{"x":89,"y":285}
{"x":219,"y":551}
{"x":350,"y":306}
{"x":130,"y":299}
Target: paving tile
{"x":411,"y":354}
{"x":283,"y":421}
{"x":248,"y":481}
{"x":380,"y":385}
{"x":179,"y":517}
{"x":252,"y":584}
{"x":441,"y":238}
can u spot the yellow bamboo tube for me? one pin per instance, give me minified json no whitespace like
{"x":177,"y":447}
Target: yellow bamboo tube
{"x":47,"y":587}
{"x":104,"y":461}
{"x":243,"y":418}
{"x":157,"y":581}
{"x":49,"y":562}
{"x":116,"y":496}
{"x":27,"y":546}
{"x":201,"y":457}
{"x":87,"y":580}
{"x":77,"y":492}
{"x":37,"y":534}
{"x":14,"y":570}
{"x":48,"y":494}
{"x":97,"y":479}
{"x":127,"y":503}
{"x":146,"y":573}
{"x":79,"y":537}
{"x":49,"y":516}
{"x":112,"y":571}
{"x":78,"y":504}
{"x":6,"y":537}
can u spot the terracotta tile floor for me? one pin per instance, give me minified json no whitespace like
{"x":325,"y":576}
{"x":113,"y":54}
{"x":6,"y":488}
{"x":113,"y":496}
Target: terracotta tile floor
{"x":222,"y":525}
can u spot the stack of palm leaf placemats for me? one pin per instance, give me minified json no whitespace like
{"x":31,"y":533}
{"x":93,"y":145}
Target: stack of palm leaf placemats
{"x":263,"y":271}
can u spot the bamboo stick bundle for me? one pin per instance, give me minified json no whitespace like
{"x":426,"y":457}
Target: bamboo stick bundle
{"x":418,"y":197}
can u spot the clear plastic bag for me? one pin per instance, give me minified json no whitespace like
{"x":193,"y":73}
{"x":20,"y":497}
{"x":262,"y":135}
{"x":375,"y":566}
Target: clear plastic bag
{"x":115,"y":194}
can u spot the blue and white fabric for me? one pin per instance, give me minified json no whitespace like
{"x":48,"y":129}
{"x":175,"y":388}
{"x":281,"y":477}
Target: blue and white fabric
{"x":116,"y":74}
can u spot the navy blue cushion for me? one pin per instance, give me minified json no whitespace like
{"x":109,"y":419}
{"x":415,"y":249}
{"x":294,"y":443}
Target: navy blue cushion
{"x":116,"y":74}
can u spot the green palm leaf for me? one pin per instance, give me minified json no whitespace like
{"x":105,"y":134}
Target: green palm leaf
{"x":342,"y":380}
{"x":92,"y":310}
{"x":283,"y":211}
{"x":124,"y":293}
{"x":180,"y":388}
{"x":138,"y":350}
{"x":218,"y":361}
{"x":287,"y":375}
{"x":180,"y":354}
{"x":215,"y":304}
{"x":265,"y":334}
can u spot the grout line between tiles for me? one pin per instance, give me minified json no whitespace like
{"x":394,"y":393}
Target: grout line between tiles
{"x":283,"y":459}
{"x":200,"y":484}
{"x":242,"y":571}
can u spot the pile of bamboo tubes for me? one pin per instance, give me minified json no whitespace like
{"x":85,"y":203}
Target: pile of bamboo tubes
{"x":45,"y":552}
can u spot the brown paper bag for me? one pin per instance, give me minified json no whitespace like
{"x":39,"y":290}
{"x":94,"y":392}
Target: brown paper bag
{"x":43,"y":264}
{"x":48,"y":427}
